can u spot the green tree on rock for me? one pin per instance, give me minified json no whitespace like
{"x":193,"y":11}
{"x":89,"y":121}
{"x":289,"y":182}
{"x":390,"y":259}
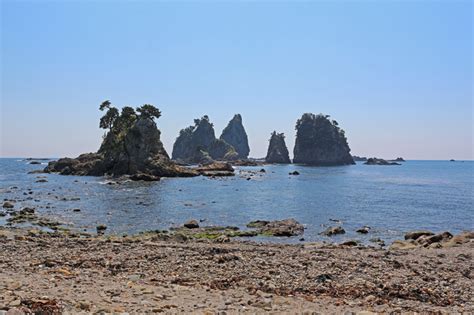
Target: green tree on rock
{"x":149,"y":111}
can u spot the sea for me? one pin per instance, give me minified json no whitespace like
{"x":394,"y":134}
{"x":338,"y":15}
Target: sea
{"x":391,"y":200}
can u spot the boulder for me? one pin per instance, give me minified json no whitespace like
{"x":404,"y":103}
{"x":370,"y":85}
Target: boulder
{"x":413,"y":235}
{"x":397,"y":245}
{"x":294,"y":173}
{"x":8,"y":205}
{"x":320,"y":142}
{"x":191,"y":224}
{"x":235,"y":135}
{"x":277,"y":151}
{"x":464,"y":237}
{"x":335,"y":230}
{"x":363,"y":230}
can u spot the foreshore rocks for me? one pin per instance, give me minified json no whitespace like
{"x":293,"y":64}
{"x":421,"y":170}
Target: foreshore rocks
{"x":287,"y":227}
{"x":320,"y":142}
{"x":277,"y":151}
{"x":427,"y":239}
{"x":235,"y":135}
{"x":377,"y":161}
{"x":216,"y":169}
{"x":335,"y":230}
{"x":198,"y":144}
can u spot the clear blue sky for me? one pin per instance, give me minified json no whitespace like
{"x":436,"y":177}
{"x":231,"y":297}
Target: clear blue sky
{"x":397,"y":76}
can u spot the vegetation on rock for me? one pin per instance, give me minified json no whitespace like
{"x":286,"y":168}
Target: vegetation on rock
{"x":320,"y":141}
{"x":131,"y":145}
{"x":198,"y":144}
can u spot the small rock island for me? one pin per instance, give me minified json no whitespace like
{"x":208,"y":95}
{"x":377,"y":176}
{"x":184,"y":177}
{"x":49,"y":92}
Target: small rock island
{"x":235,"y":135}
{"x":320,"y":142}
{"x":131,"y":146}
{"x":277,"y":151}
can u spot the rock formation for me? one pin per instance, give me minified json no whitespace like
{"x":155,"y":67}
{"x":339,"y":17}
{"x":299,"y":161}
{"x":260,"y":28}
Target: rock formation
{"x":277,"y":150}
{"x":235,"y":135}
{"x":320,"y":141}
{"x":376,"y":161}
{"x":198,"y":144}
{"x":131,"y":145}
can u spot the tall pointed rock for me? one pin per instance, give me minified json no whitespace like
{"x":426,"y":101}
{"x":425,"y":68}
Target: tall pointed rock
{"x":235,"y":135}
{"x":277,"y":150}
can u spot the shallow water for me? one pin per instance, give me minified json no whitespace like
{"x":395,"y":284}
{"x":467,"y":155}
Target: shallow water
{"x":433,"y":195}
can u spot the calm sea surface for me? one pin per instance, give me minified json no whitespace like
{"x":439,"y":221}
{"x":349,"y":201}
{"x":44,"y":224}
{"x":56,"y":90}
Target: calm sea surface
{"x":433,"y":195}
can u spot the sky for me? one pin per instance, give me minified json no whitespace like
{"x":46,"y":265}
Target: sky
{"x":396,"y":75}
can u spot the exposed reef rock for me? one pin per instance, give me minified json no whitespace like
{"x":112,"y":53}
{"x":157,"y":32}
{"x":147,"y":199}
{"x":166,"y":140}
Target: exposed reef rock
{"x":277,"y":150}
{"x":376,"y":161}
{"x":235,"y":135}
{"x":320,"y":141}
{"x":359,"y":158}
{"x":216,"y":169}
{"x":131,"y":146}
{"x":198,"y":144}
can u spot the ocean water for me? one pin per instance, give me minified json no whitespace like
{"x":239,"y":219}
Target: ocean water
{"x":433,"y":195}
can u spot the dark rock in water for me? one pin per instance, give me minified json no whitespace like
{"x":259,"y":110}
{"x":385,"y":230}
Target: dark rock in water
{"x":248,"y":162}
{"x":413,"y":235}
{"x":287,"y":227}
{"x":27,"y":210}
{"x":399,"y":159}
{"x":235,"y":135}
{"x":131,"y":146}
{"x":35,"y":162}
{"x":320,"y":142}
{"x":198,"y":144}
{"x":216,"y":169}
{"x":294,"y":173}
{"x":8,"y":205}
{"x":144,"y":177}
{"x":359,"y":158}
{"x":376,"y":161}
{"x":277,"y":150}
{"x":192,"y":224}
{"x":350,"y":243}
{"x":37,"y":172}
{"x":42,"y":180}
{"x":330,"y":231}
{"x":101,"y":229}
{"x":363,"y":230}
{"x":452,"y":160}
{"x":76,"y":210}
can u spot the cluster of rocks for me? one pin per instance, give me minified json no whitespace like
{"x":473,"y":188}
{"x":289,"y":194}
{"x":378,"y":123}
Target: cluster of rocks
{"x":428,"y":239}
{"x":26,"y":215}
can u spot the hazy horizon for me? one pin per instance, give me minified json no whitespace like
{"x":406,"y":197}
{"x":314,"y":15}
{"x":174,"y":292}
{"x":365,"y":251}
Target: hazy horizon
{"x":399,"y":84}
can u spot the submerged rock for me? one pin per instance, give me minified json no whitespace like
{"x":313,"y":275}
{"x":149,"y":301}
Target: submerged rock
{"x":198,"y":144}
{"x":235,"y":135}
{"x":376,"y":161}
{"x":320,"y":141}
{"x":131,"y":146}
{"x":277,"y":150}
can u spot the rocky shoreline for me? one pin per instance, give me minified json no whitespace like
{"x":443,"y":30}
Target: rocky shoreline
{"x":151,"y":272}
